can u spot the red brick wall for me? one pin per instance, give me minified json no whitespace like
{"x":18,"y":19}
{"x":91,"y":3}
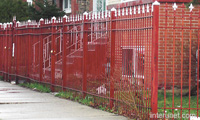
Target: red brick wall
{"x":168,"y":35}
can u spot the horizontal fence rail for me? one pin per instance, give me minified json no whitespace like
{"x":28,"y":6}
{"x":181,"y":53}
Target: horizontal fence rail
{"x":137,"y":60}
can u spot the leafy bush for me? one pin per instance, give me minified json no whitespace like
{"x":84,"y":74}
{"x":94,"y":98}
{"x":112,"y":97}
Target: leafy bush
{"x":10,"y":8}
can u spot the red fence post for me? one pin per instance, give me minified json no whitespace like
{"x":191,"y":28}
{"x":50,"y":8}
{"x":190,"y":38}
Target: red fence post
{"x":64,"y":54}
{"x":85,"y":50}
{"x":6,"y":52}
{"x":17,"y":52}
{"x":13,"y":46}
{"x":53,"y":58}
{"x":41,"y":49}
{"x":29,"y":49}
{"x":10,"y":52}
{"x":113,"y":28}
{"x":154,"y":99}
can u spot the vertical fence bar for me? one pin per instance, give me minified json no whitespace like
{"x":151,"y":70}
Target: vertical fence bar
{"x":64,"y":55}
{"x":182,"y":55}
{"x":13,"y":46}
{"x":173,"y":61}
{"x":85,"y":50}
{"x":165,"y":74}
{"x":17,"y":52}
{"x":113,"y":27}
{"x":29,"y":48}
{"x":6,"y":52}
{"x":41,"y":49}
{"x":190,"y":60}
{"x":198,"y":60}
{"x":155,"y":57}
{"x":10,"y":51}
{"x":53,"y":58}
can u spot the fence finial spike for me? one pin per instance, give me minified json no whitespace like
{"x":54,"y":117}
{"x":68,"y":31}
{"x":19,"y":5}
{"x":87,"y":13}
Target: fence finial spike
{"x":41,"y":19}
{"x":139,"y":9}
{"x":73,"y":18}
{"x":89,"y":16}
{"x":99,"y":15}
{"x":53,"y":18}
{"x":175,"y":6}
{"x":156,"y":3}
{"x":85,"y":13}
{"x":29,"y":21}
{"x":102,"y":14}
{"x":96,"y":15}
{"x":130,"y":10}
{"x":119,"y":12}
{"x":78,"y":17}
{"x":113,"y":9}
{"x":65,"y":16}
{"x":106,"y":14}
{"x":127,"y":11}
{"x":191,"y":7}
{"x":143,"y":11}
{"x":134,"y":10}
{"x":122,"y":11}
{"x":147,"y":7}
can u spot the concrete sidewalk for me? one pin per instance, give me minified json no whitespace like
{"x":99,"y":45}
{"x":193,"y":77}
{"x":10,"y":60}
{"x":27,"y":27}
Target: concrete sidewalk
{"x":17,"y":103}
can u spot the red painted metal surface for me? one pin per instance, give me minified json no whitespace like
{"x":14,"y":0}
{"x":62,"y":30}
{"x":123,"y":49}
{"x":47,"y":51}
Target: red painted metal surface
{"x":179,"y":67}
{"x":112,"y":70}
{"x":155,"y":58}
{"x":64,"y":53}
{"x":85,"y":54}
{"x":131,"y":59}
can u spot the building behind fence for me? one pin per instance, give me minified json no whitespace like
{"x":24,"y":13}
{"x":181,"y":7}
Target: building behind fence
{"x":125,"y":56}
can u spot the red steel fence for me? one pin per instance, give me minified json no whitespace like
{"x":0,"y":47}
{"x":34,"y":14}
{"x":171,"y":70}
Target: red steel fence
{"x":139,"y":59}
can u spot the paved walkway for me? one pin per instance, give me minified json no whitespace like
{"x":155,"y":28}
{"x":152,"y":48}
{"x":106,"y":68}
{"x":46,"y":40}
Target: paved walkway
{"x":17,"y":103}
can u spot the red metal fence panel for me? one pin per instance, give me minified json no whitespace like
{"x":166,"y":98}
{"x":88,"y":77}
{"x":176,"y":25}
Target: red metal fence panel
{"x":179,"y":61}
{"x":137,"y":60}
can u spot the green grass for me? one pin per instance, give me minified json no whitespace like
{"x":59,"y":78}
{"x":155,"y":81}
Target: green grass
{"x":1,"y":77}
{"x":37,"y":87}
{"x":177,"y":103}
{"x":88,"y":100}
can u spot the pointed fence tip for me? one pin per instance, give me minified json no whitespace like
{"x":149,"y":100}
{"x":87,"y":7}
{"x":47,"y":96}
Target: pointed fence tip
{"x":175,"y":6}
{"x":53,"y":18}
{"x":29,"y":21}
{"x":113,"y":9}
{"x":65,"y":16}
{"x":191,"y":7}
{"x":156,"y":3}
{"x":41,"y":19}
{"x":85,"y":13}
